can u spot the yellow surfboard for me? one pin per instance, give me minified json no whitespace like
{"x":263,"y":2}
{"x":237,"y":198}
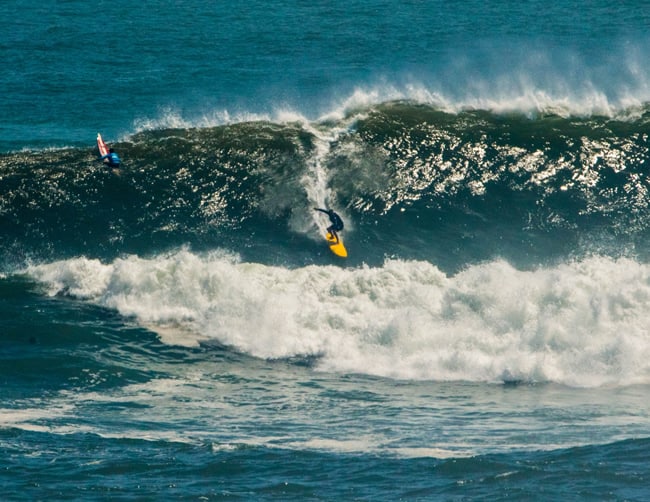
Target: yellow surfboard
{"x":337,"y":247}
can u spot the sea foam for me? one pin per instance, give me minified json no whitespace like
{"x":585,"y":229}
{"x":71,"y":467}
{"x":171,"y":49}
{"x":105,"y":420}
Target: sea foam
{"x":581,"y":323}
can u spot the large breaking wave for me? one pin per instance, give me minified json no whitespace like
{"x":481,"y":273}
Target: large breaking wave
{"x":411,"y":180}
{"x":483,"y":246}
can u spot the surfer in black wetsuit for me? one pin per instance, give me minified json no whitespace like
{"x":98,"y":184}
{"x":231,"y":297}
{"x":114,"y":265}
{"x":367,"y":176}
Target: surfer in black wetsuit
{"x":112,"y":157}
{"x":335,"y":220}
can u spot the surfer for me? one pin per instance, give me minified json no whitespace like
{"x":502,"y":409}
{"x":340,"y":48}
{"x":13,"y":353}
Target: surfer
{"x":335,"y":220}
{"x":112,"y":157}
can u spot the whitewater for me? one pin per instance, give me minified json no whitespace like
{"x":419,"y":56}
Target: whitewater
{"x":578,"y":324}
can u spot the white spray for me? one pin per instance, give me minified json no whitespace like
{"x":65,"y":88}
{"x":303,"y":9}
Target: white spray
{"x":582,"y":323}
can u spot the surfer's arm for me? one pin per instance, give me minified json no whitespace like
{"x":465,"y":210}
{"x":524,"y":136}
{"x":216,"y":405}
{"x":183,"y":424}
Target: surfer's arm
{"x":321,"y":210}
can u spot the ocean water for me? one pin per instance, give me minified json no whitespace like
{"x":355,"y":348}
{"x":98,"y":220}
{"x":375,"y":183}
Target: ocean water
{"x":179,"y":330}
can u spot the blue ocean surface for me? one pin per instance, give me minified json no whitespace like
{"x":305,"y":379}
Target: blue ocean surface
{"x":177,"y":329}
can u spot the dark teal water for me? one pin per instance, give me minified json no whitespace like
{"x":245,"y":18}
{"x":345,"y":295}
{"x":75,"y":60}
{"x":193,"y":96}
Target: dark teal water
{"x":179,"y":330}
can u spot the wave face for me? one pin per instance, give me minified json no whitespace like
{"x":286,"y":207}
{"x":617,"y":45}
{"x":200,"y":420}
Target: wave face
{"x":410,"y":180}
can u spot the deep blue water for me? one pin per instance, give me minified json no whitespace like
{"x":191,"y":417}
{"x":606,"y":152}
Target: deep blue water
{"x":178,"y":329}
